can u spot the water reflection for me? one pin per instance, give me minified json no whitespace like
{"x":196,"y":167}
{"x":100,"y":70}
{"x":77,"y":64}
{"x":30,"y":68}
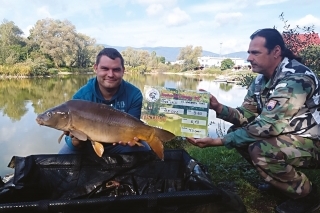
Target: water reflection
{"x":22,"y":99}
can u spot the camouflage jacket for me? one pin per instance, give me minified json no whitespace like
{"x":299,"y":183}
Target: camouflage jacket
{"x":286,"y":103}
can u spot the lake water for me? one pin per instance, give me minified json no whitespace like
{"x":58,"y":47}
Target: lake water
{"x":22,"y":99}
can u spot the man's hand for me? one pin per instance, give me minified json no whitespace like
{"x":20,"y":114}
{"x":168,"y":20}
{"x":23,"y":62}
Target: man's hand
{"x":205,"y":142}
{"x":214,"y":103}
{"x":79,"y":143}
{"x":75,"y":141}
{"x":130,"y":143}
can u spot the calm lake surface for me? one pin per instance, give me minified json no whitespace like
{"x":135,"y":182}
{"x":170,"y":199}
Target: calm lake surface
{"x":22,"y":99}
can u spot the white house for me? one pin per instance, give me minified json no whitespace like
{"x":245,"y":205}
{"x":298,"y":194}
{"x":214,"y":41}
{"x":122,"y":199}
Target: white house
{"x":180,"y":62}
{"x":209,"y":61}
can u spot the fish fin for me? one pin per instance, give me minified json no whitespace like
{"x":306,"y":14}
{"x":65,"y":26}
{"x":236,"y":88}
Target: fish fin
{"x":79,"y":134}
{"x":98,"y":148}
{"x":157,"y":146}
{"x":163,"y":134}
{"x":60,"y":138}
{"x":138,"y":143}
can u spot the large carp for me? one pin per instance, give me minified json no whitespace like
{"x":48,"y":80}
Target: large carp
{"x":101,"y":123}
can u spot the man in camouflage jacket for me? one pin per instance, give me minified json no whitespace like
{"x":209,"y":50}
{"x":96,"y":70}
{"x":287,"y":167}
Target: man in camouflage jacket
{"x":277,"y":127}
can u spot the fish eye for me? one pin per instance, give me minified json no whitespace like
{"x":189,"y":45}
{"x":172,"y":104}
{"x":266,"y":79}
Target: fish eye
{"x":49,"y":114}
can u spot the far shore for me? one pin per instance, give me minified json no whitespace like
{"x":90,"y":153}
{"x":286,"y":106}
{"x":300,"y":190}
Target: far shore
{"x":227,"y":77}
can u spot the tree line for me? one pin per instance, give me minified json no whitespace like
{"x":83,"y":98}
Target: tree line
{"x":51,"y":45}
{"x":54,"y":46}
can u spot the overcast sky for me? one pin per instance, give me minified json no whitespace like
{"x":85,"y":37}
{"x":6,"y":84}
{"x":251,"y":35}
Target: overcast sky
{"x":212,"y":24}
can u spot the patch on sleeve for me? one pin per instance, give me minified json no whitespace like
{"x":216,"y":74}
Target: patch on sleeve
{"x":271,"y":104}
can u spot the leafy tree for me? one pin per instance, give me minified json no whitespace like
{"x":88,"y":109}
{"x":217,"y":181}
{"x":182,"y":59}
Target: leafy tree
{"x":311,"y":57}
{"x":153,"y":62}
{"x":86,"y":51}
{"x":190,"y":57}
{"x":161,"y":59}
{"x":226,"y":64}
{"x":144,"y":58}
{"x":245,"y":79}
{"x":300,"y":40}
{"x":10,"y":34}
{"x":163,"y":67}
{"x":62,"y":44}
{"x":11,"y":43}
{"x":131,"y":57}
{"x":56,"y":39}
{"x":297,"y":38}
{"x":140,"y":60}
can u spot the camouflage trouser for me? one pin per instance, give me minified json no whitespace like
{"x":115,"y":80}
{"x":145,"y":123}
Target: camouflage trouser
{"x":276,"y":158}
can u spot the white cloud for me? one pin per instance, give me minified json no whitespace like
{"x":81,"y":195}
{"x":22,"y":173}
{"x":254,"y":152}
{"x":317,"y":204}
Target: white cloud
{"x":177,"y":17}
{"x":218,"y":6}
{"x":164,"y":2}
{"x":128,"y":13}
{"x":43,"y":12}
{"x":268,"y":2}
{"x":309,"y":20}
{"x":27,"y":30}
{"x":232,"y":44}
{"x":154,"y":9}
{"x":228,"y":18}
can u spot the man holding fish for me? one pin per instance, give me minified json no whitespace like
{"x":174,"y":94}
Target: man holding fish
{"x":106,"y":113}
{"x":108,"y":87}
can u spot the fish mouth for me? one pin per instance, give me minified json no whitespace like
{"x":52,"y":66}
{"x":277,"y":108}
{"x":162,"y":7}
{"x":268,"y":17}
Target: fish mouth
{"x":39,"y":121}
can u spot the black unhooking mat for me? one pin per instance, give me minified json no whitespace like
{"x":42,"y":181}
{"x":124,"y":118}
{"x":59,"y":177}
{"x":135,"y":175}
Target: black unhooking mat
{"x":134,"y":182}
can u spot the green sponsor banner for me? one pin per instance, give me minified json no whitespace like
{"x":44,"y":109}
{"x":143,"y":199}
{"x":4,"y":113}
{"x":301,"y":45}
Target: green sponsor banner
{"x":182,"y":112}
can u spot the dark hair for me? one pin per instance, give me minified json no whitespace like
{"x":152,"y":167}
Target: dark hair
{"x":273,"y":38}
{"x":111,"y":53}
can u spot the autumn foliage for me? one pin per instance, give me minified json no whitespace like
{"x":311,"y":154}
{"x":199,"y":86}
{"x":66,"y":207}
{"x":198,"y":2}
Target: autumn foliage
{"x":304,"y":42}
{"x":297,"y":42}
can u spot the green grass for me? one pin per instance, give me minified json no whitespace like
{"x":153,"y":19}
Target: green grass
{"x":231,"y":172}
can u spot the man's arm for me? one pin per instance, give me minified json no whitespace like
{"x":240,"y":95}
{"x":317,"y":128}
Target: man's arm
{"x":279,"y":109}
{"x":282,"y":105}
{"x":243,"y":115}
{"x":205,"y":142}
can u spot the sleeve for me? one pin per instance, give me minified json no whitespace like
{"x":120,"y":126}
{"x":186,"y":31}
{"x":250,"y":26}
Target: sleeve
{"x":243,"y":115}
{"x":80,"y":95}
{"x":136,"y":105}
{"x":288,"y":97}
{"x":68,"y":141}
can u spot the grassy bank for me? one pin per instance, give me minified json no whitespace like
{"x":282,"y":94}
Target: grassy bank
{"x":230,"y":171}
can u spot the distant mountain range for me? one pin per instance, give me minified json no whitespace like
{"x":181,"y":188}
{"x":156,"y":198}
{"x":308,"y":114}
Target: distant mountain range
{"x":171,"y":53}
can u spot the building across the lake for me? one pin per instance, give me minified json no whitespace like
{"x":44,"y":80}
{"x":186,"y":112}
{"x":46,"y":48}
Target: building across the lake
{"x":210,"y":61}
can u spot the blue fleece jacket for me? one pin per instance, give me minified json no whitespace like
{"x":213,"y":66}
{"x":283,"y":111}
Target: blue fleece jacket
{"x":127,"y":99}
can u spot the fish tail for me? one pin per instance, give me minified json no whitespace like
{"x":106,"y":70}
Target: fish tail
{"x":157,"y":146}
{"x":163,"y":135}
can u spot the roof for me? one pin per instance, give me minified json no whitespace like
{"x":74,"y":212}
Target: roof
{"x":297,"y":42}
{"x":313,"y":38}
